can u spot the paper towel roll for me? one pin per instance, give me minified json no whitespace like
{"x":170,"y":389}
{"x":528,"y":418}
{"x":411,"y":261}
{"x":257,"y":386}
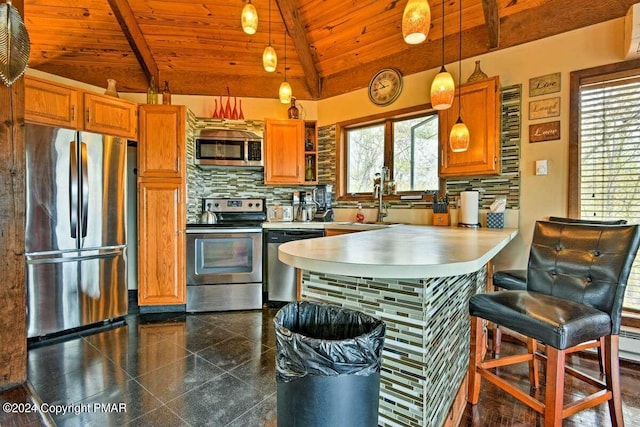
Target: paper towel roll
{"x":468,"y":208}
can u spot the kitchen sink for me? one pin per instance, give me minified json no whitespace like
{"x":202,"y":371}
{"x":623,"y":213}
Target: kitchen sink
{"x":372,"y":223}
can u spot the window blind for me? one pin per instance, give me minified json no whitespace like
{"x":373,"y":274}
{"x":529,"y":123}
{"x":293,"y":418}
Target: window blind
{"x":610,"y":158}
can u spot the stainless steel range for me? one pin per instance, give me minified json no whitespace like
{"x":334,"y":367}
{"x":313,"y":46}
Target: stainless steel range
{"x":224,"y":260}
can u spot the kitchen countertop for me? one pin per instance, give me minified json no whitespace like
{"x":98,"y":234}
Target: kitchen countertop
{"x":324,"y":225}
{"x":399,"y":251}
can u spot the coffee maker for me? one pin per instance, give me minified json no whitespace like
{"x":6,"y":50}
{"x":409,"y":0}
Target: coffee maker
{"x":322,"y":196}
{"x":303,"y":205}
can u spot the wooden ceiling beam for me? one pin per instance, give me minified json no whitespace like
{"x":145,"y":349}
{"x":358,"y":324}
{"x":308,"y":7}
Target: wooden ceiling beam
{"x":492,"y":20}
{"x":291,"y":19}
{"x":127,"y":20}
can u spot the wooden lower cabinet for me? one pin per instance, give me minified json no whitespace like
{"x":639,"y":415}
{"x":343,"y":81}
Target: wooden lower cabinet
{"x":161,"y":242}
{"x":338,"y":231}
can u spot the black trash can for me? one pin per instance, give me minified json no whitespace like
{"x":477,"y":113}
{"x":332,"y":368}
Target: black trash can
{"x":327,"y":366}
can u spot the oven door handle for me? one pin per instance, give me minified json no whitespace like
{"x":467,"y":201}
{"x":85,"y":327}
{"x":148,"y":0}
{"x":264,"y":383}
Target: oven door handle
{"x":222,"y":230}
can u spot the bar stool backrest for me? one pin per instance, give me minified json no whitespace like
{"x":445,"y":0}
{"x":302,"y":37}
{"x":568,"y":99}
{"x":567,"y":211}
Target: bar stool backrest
{"x":587,"y":264}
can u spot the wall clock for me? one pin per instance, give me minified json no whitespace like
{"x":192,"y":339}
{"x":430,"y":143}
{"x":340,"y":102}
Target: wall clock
{"x":385,"y":86}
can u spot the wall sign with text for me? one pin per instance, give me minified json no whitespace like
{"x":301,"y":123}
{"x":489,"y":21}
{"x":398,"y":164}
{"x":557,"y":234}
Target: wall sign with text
{"x":544,"y":108}
{"x":548,"y":131}
{"x":543,"y":85}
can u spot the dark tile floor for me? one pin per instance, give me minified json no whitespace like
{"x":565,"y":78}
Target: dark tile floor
{"x":217,"y":369}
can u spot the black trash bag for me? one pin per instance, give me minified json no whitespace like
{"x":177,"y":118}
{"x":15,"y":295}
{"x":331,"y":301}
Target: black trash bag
{"x":325,"y":340}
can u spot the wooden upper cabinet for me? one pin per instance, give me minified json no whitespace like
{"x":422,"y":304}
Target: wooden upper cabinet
{"x":56,"y":104}
{"x":162,"y":141}
{"x":284,"y":152}
{"x":110,"y":116}
{"x":50,"y":103}
{"x":481,"y":113}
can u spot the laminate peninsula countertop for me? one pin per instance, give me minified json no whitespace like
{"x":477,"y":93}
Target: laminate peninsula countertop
{"x":399,"y":251}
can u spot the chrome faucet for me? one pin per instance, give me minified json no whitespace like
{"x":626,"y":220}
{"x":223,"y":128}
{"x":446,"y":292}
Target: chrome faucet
{"x":378,"y":192}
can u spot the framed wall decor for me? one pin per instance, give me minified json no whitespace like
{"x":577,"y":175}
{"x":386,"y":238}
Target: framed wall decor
{"x":548,"y":131}
{"x":544,"y":108}
{"x":543,"y":85}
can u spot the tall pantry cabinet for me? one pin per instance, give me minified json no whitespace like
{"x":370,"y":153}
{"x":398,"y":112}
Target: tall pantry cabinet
{"x":161,"y":205}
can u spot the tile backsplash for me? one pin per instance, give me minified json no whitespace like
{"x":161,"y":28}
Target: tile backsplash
{"x":227,"y":181}
{"x":249,"y":182}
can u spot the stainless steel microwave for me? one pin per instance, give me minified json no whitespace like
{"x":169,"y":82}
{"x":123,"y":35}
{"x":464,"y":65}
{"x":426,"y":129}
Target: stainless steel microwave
{"x":226,"y":147}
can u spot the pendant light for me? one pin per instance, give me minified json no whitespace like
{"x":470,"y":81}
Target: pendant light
{"x":443,"y":89}
{"x":249,"y":18}
{"x":459,"y":137}
{"x":285,"y":88}
{"x":416,"y":21}
{"x":269,"y":57}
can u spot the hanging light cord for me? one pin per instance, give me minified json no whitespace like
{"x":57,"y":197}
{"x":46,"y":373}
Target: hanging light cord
{"x":443,"y":33}
{"x":459,"y":64}
{"x":269,"y":22}
{"x":285,"y":55}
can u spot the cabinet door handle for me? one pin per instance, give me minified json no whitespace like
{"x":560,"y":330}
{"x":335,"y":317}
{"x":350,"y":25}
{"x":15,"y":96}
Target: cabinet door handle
{"x":441,"y":157}
{"x":73,"y":113}
{"x":88,"y":115}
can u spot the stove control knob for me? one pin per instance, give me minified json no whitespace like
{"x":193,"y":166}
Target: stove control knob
{"x":250,"y":205}
{"x":216,"y":204}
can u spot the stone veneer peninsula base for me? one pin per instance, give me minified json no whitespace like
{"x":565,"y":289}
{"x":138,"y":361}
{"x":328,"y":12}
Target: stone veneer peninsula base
{"x":426,"y":347}
{"x":426,"y":350}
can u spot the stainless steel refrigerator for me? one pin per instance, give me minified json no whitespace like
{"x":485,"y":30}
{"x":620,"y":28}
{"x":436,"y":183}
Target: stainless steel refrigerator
{"x":75,"y":233}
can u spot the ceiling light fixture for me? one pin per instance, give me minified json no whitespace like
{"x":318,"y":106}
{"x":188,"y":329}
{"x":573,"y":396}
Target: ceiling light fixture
{"x":416,"y":21}
{"x":285,"y":88}
{"x":249,"y":18}
{"x":269,"y":57}
{"x":443,"y":88}
{"x":459,"y":136}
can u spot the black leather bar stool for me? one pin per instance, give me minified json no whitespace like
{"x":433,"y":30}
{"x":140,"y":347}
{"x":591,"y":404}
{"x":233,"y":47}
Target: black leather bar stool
{"x":576,"y":278}
{"x":516,"y":280}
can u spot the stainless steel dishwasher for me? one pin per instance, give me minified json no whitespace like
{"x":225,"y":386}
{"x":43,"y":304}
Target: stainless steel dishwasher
{"x":281,"y":278}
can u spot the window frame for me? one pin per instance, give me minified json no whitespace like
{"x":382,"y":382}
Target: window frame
{"x":578,"y":78}
{"x":387,"y":118}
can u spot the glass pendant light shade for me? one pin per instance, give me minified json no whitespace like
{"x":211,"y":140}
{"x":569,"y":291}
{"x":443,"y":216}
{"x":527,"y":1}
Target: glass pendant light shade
{"x":285,"y":92}
{"x":269,"y":59}
{"x":249,"y":18}
{"x":459,"y":137}
{"x":443,"y":90}
{"x":416,"y":21}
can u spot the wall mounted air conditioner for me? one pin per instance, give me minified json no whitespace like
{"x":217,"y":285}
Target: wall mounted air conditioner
{"x":632,"y":32}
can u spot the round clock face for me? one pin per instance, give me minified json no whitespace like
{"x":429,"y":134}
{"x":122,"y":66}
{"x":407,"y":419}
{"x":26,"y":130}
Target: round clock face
{"x":385,"y":86}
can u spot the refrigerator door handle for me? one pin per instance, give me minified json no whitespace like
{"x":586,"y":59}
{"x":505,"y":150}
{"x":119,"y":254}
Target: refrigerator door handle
{"x":73,"y":190}
{"x":60,"y":257}
{"x":85,"y":188}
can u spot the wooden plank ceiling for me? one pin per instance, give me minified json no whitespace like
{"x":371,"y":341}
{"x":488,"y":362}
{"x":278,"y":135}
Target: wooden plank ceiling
{"x":333,"y":46}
